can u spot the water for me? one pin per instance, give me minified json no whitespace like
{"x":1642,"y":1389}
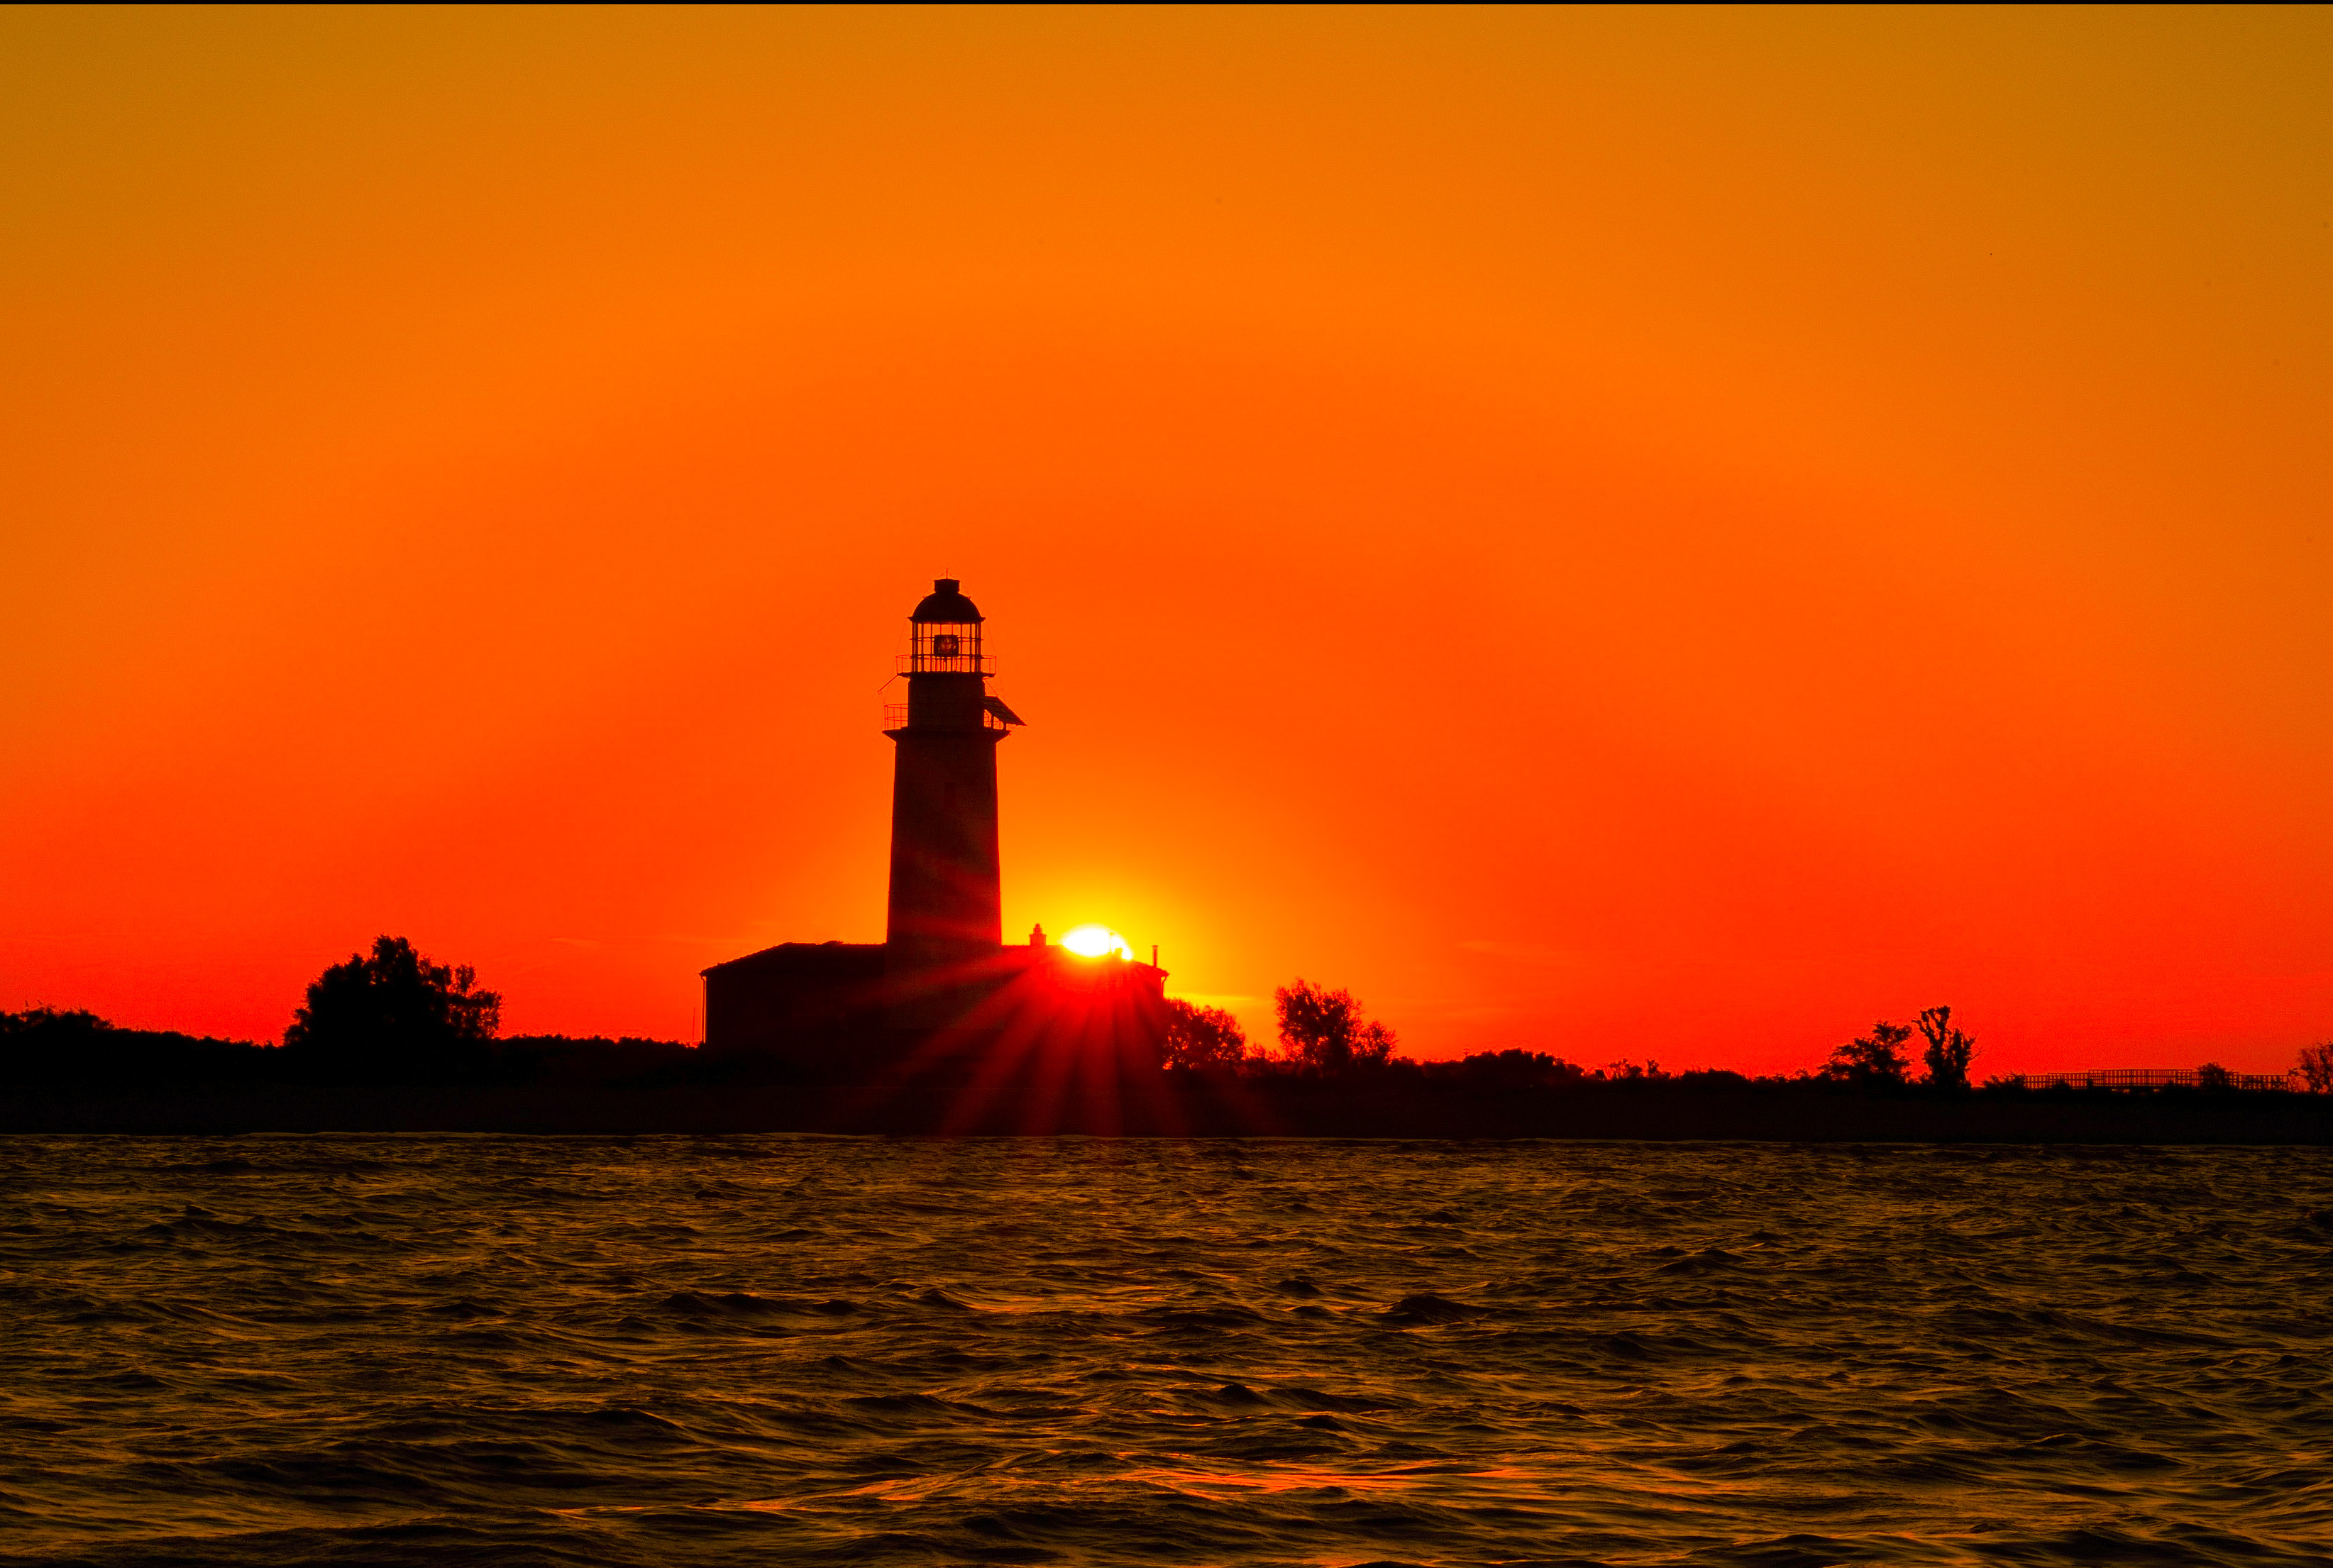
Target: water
{"x":679,"y":1351}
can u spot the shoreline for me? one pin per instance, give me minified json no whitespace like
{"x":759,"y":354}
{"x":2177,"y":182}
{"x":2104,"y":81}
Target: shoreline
{"x":1206,"y":1109}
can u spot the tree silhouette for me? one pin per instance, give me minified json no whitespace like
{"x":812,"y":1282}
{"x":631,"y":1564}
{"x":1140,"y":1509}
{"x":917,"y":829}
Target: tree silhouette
{"x":394,"y":1012}
{"x":1872,"y":1061}
{"x":1948,"y":1052}
{"x":2317,"y":1067}
{"x":2214,"y":1077}
{"x":1323,"y":1030}
{"x":1202,"y":1037}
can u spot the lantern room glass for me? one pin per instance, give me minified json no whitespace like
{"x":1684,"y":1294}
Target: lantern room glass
{"x":944,"y":648}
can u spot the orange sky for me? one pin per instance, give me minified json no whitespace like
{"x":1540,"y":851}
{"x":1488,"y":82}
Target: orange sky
{"x":1624,"y":534}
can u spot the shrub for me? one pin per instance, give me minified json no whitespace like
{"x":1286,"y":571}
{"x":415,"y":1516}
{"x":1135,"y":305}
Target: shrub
{"x":47,"y":1045}
{"x":1508,"y":1072}
{"x":1872,"y":1061}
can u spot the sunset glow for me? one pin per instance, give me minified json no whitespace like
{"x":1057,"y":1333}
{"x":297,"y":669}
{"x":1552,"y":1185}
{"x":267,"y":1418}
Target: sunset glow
{"x":1633,"y":534}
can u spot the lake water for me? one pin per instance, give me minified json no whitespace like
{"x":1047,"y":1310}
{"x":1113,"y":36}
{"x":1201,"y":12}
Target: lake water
{"x":674,"y":1351}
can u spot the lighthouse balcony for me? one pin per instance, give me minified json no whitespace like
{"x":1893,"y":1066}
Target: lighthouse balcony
{"x":926,"y":662}
{"x":895,"y":717}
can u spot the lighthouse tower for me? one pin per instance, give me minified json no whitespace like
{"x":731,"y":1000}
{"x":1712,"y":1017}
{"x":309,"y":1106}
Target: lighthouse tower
{"x":944,"y":905}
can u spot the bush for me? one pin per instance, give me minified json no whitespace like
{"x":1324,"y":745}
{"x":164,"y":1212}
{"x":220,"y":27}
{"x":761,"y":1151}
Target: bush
{"x":1872,"y":1061}
{"x":1507,"y":1072}
{"x":47,"y":1045}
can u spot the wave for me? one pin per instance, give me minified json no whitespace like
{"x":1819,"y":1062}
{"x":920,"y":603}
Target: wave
{"x":747,"y":1350}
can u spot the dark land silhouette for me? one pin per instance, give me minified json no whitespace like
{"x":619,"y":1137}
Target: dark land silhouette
{"x":71,"y":1072}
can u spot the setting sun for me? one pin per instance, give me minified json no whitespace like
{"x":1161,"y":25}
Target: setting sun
{"x":1096,"y":942}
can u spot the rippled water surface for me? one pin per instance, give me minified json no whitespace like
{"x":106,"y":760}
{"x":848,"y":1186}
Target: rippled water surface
{"x":785,"y":1350}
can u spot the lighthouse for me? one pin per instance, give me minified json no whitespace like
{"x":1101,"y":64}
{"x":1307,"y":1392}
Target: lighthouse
{"x":942,"y":998}
{"x":946,"y":903}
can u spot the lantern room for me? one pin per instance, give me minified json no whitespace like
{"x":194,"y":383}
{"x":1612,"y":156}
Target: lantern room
{"x":943,"y":634}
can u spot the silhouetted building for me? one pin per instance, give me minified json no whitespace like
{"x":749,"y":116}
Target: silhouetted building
{"x":942,"y":995}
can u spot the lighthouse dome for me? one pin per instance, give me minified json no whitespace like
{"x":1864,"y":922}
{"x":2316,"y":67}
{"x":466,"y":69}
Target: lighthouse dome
{"x":947,"y":605}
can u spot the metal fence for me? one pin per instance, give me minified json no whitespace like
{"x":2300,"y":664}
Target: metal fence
{"x":2157,"y":1078}
{"x":944,"y":664}
{"x":895,"y":717}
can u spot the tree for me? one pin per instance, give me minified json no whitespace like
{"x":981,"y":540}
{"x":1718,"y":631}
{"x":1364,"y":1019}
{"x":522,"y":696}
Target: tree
{"x":395,"y":1012}
{"x":2317,"y":1067}
{"x":1202,"y":1037}
{"x":1948,"y":1052}
{"x":2214,"y":1077}
{"x":1323,"y":1030}
{"x":1872,"y":1061}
